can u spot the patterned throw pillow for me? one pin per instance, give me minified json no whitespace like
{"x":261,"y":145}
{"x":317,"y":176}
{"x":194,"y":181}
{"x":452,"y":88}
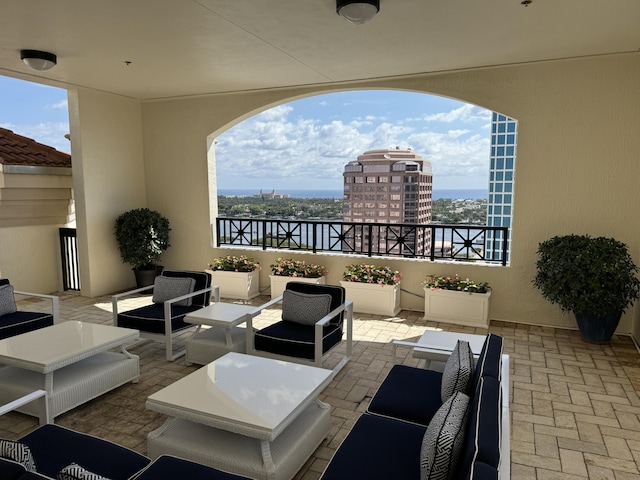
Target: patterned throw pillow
{"x":7,"y":300}
{"x":76,"y":472}
{"x":18,"y":452}
{"x":304,"y":308}
{"x":443,"y":440}
{"x":167,"y":288}
{"x":458,"y":371}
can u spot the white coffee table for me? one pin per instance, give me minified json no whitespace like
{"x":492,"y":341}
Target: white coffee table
{"x":207,"y":344}
{"x":435,"y":346}
{"x":251,"y":416}
{"x":71,"y":361}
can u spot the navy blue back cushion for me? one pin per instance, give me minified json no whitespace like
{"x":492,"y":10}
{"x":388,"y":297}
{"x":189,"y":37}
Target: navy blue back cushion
{"x":167,"y":467}
{"x":482,"y":440}
{"x":489,"y":362}
{"x":203,"y":280}
{"x":378,"y":447}
{"x":54,"y":447}
{"x":408,"y":393}
{"x":482,"y":471}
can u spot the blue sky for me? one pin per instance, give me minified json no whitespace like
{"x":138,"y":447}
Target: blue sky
{"x":306,"y":143}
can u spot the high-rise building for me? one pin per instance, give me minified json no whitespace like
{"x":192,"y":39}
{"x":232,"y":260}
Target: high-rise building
{"x":391,"y":187}
{"x":504,"y":139}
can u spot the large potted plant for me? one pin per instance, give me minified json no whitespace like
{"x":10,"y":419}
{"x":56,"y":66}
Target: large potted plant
{"x":286,"y":270}
{"x":372,"y":288}
{"x":237,"y":276}
{"x":594,"y":278}
{"x":142,"y":236}
{"x":456,"y":299}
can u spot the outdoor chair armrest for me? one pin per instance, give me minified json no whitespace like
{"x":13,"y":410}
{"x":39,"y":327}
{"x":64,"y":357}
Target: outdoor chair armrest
{"x":119,"y":296}
{"x":39,"y":395}
{"x":55,"y":302}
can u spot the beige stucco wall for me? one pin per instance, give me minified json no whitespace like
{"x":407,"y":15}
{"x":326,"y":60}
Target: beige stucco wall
{"x":108,"y":179}
{"x":30,"y":258}
{"x":576,"y":171}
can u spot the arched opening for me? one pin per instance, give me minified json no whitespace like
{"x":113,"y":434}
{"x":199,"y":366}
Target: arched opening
{"x":300,"y":149}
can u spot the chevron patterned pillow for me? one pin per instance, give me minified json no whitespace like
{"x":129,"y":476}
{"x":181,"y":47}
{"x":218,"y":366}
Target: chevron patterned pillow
{"x":304,"y":308}
{"x":76,"y":472}
{"x":458,"y":371}
{"x":442,"y":442}
{"x":7,"y":300}
{"x":167,"y":288}
{"x":18,"y":452}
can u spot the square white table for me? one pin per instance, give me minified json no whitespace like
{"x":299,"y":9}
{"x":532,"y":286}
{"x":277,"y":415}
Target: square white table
{"x":251,"y":416}
{"x":71,"y":361}
{"x":435,"y":346}
{"x":224,"y":336}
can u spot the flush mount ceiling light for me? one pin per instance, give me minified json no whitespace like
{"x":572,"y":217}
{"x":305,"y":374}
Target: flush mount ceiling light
{"x":38,"y":60}
{"x":357,"y":12}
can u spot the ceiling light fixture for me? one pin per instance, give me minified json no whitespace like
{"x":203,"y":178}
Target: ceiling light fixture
{"x":38,"y":60}
{"x":357,"y":12}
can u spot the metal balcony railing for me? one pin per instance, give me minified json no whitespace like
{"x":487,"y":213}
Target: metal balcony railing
{"x":430,"y":241}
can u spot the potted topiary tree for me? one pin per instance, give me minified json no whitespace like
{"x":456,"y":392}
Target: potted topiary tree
{"x":594,"y":278}
{"x":142,"y":236}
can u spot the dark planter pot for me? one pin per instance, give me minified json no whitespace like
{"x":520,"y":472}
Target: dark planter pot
{"x":597,"y":329}
{"x":145,"y":278}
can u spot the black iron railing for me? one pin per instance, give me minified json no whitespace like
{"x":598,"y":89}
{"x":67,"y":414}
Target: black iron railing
{"x":434,"y":242}
{"x":69,"y":257}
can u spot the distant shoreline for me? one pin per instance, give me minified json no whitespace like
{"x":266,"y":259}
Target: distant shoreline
{"x":474,"y":194}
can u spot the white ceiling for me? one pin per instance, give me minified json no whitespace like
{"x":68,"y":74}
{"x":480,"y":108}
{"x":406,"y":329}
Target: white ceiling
{"x":192,"y":47}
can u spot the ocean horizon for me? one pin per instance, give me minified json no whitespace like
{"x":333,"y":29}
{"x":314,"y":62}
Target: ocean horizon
{"x":457,"y":194}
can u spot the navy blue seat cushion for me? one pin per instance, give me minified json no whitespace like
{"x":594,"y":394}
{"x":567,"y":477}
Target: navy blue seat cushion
{"x":54,"y":447}
{"x":482,"y":440}
{"x":150,"y":318}
{"x":408,"y":393}
{"x":22,"y":322}
{"x":489,"y":362}
{"x":297,"y":340}
{"x":378,"y":448}
{"x":167,"y":467}
{"x":10,"y":470}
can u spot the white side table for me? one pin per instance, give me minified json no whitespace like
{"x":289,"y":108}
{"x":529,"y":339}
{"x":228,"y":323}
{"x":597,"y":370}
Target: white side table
{"x":224,"y":334}
{"x":435,"y":346}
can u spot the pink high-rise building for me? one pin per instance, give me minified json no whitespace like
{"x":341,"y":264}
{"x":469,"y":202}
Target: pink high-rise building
{"x":388,"y":186}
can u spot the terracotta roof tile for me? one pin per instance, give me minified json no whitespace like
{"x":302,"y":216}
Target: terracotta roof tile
{"x":18,"y":150}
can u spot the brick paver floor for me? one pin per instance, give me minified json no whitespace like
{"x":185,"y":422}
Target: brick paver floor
{"x":575,"y":410}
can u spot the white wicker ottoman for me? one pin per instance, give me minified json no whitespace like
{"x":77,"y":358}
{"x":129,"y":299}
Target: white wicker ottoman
{"x":243,"y":455}
{"x":211,"y":343}
{"x":252,"y":416}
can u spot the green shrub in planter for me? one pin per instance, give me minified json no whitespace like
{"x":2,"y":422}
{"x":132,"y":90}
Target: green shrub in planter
{"x":142,"y":236}
{"x":594,"y":278}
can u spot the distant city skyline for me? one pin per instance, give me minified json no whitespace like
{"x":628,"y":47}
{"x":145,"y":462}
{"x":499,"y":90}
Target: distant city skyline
{"x":304,"y":143}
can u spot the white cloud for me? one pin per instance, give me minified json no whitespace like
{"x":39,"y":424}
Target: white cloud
{"x":279,"y":149}
{"x":61,"y":105}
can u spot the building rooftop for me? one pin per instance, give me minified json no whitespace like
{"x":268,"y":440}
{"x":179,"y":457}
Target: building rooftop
{"x":18,"y":150}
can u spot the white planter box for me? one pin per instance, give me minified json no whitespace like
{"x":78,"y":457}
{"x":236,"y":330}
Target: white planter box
{"x":461,"y":308}
{"x":279,"y":283}
{"x":240,"y":285}
{"x":373,"y":298}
